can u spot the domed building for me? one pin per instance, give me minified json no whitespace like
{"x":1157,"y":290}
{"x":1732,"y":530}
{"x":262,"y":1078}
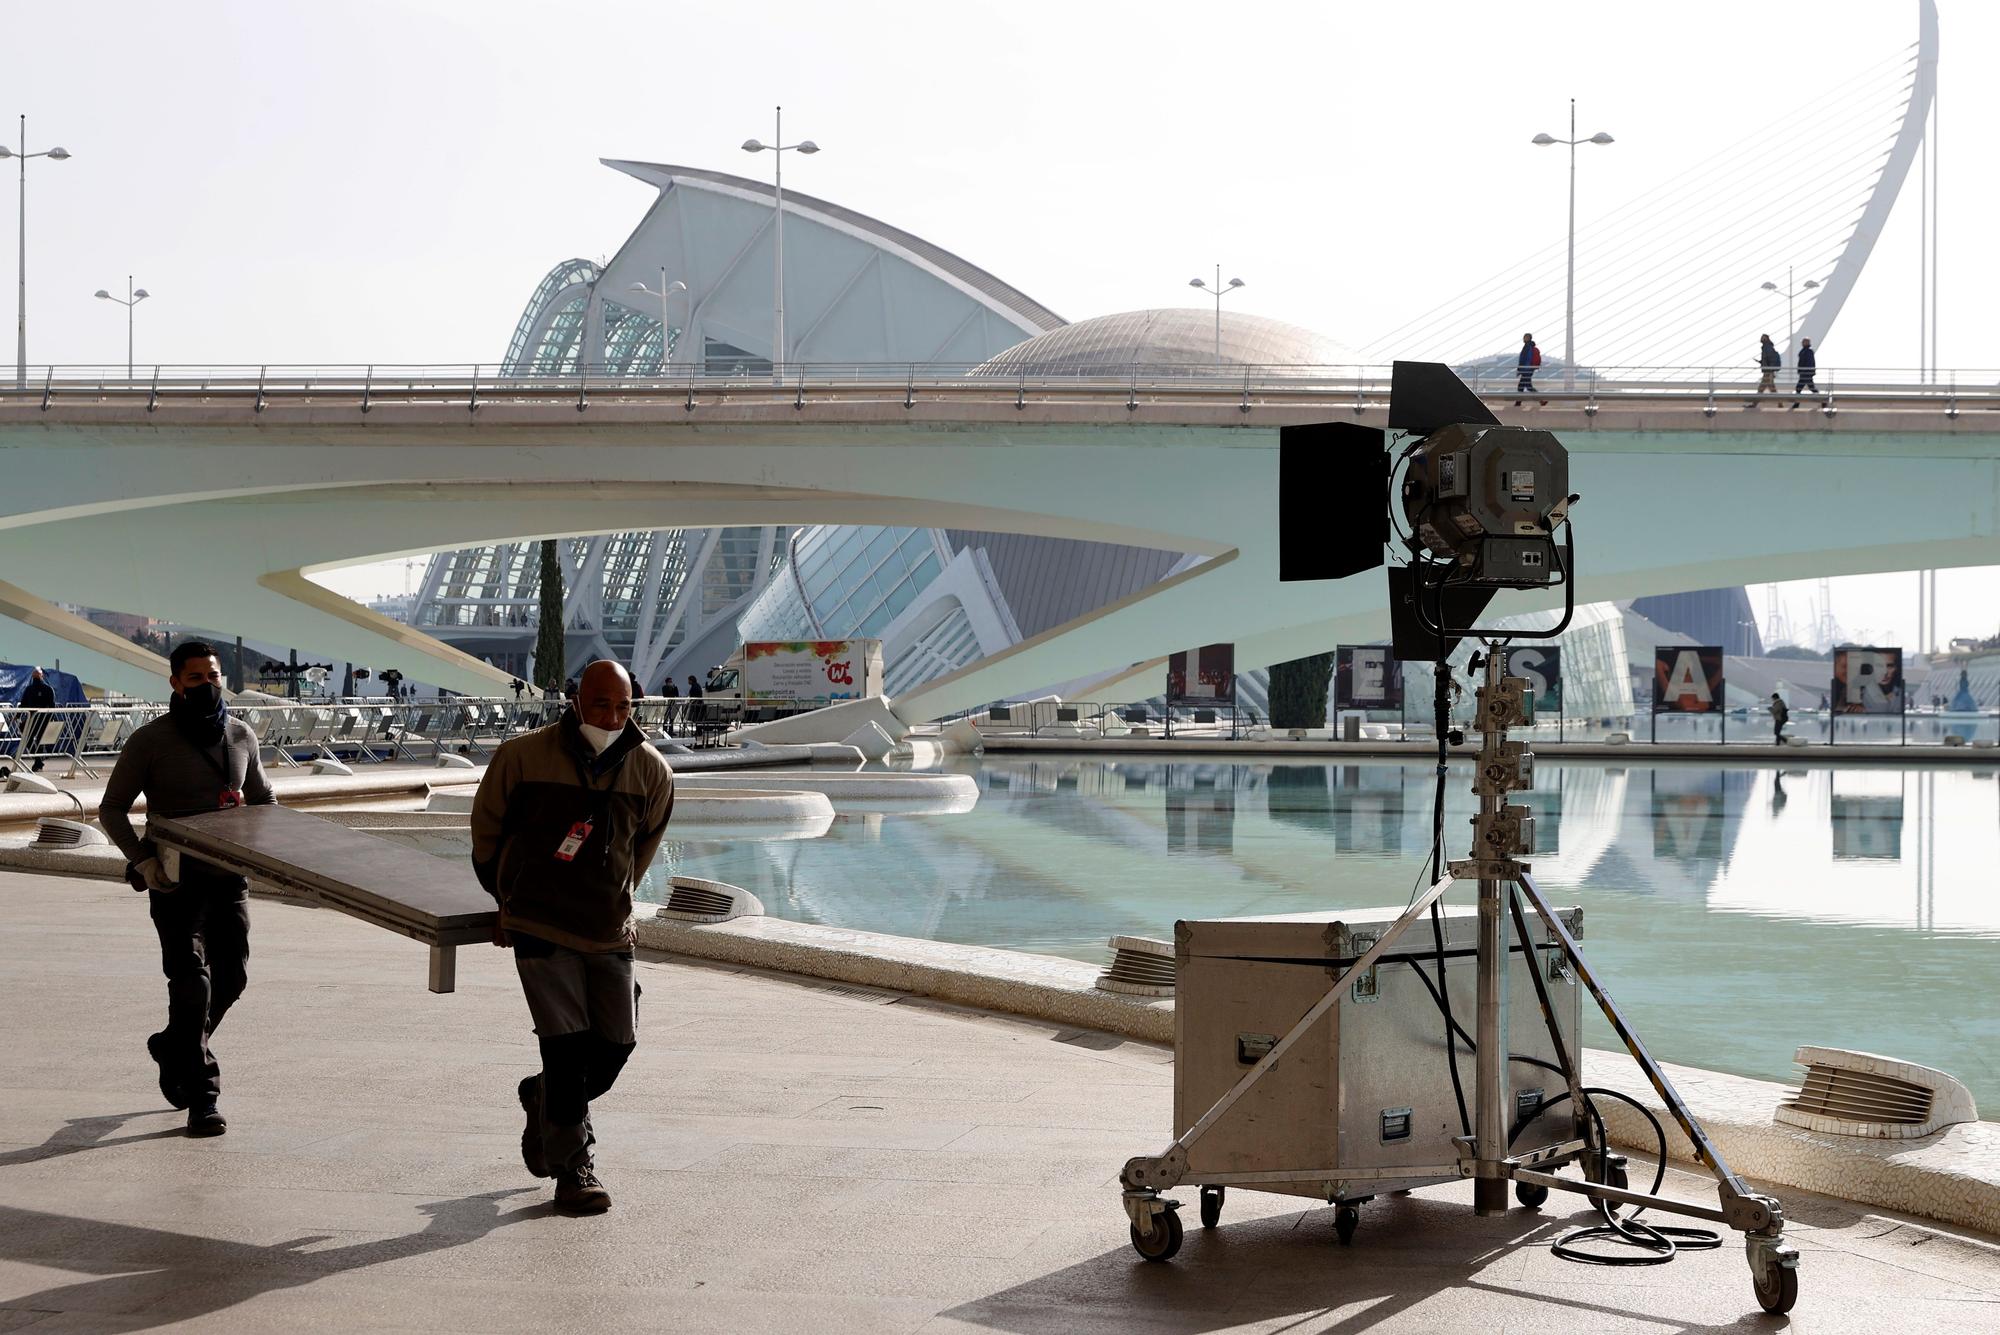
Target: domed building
{"x":1170,"y":339}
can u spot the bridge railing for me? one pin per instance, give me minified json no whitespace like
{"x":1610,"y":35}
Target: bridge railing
{"x":1364,"y":386}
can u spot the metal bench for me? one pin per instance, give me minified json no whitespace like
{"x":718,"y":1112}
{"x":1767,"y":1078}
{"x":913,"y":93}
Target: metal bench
{"x":428,"y":899}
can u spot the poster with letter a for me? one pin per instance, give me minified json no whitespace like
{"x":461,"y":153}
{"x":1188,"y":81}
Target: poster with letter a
{"x":1867,"y":679}
{"x":1204,"y":676}
{"x":1367,"y":676}
{"x":1687,"y":679}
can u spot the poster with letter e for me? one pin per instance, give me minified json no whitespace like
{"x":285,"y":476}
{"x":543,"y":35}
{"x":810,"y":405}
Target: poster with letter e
{"x":1687,"y":679}
{"x":1367,"y":676}
{"x":1204,"y":676}
{"x":1867,"y":679}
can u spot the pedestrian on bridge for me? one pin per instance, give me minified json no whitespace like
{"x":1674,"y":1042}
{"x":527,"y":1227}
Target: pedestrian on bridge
{"x":566,"y":822}
{"x":1530,"y":358}
{"x":1808,"y":368}
{"x":1769,"y":360}
{"x":194,"y":758}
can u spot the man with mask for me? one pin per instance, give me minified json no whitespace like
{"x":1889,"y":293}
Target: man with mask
{"x":567,"y":820}
{"x":195,"y":758}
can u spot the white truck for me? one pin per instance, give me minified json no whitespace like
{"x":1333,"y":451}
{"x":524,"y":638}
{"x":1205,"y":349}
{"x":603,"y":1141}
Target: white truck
{"x":795,"y":675}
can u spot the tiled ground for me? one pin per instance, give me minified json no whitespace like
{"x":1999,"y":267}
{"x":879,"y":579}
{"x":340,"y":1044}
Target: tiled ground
{"x":785,"y":1157}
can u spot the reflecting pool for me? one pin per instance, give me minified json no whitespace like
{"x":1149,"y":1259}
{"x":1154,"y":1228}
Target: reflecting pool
{"x":1736,"y":911}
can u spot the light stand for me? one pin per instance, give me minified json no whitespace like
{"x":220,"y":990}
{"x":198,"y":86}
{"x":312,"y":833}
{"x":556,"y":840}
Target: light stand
{"x":1502,"y":832}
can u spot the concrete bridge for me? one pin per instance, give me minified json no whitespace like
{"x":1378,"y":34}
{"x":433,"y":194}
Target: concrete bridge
{"x":209,"y":498}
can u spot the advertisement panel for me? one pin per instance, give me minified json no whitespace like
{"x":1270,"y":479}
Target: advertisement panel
{"x":1541,"y":664}
{"x":807,"y":671}
{"x":1204,"y":676}
{"x":1867,"y":679}
{"x":1687,"y":679}
{"x":1367,"y":676}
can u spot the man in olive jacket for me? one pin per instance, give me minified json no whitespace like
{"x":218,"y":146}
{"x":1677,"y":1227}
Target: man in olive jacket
{"x":567,"y":819}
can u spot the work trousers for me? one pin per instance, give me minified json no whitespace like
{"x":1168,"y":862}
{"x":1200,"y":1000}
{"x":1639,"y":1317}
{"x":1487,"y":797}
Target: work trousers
{"x":204,"y":930}
{"x":586,"y":1012}
{"x":1805,"y":385}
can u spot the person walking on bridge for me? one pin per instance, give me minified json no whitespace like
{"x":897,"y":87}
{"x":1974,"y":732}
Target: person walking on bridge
{"x":1768,"y":362}
{"x":194,"y":758}
{"x":1525,"y":364}
{"x":567,"y":820}
{"x":1808,"y":367}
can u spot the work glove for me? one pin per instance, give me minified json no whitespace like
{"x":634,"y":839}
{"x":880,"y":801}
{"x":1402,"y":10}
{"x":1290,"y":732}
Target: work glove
{"x":155,"y":876}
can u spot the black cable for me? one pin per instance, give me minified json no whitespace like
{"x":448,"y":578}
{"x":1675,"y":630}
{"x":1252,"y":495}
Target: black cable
{"x":1441,"y":721}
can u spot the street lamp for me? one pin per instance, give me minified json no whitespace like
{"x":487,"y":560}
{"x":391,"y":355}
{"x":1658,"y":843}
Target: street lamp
{"x":133,"y":296}
{"x":59,"y":154}
{"x":778,"y":150}
{"x":666,"y":330}
{"x":1220,"y":290}
{"x":1790,"y":294}
{"x":1569,"y":301}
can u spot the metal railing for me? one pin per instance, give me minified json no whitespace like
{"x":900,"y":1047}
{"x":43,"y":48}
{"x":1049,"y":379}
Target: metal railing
{"x":1707,"y":389}
{"x":359,"y":729}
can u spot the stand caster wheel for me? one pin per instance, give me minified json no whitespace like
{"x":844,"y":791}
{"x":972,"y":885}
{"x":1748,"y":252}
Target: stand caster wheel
{"x":1345,"y":1220}
{"x":1530,"y":1195}
{"x":1778,"y":1294}
{"x":1211,"y":1206}
{"x":1163,"y":1241}
{"x":1611,"y":1174}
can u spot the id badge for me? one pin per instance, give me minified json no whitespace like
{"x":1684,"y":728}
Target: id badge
{"x":567,"y":850}
{"x":227,"y":798}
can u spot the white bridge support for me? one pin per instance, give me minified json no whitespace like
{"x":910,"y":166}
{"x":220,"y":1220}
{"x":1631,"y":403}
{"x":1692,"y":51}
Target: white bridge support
{"x":206,"y":513}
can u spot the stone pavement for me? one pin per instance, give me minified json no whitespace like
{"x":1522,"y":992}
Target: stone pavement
{"x":785,"y":1156}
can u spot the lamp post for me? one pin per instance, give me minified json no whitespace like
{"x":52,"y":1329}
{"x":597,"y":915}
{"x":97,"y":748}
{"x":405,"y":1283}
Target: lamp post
{"x":59,"y":154}
{"x":133,"y":296}
{"x":666,"y":330}
{"x":1790,"y":293}
{"x":778,"y":151}
{"x":1569,"y":299}
{"x":1219,"y":291}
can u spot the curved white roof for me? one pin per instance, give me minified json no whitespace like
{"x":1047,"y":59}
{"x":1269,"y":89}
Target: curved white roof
{"x":1179,"y":336}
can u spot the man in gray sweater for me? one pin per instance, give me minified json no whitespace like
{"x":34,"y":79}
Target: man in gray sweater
{"x":195,"y":758}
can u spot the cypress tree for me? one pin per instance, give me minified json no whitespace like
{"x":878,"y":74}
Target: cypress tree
{"x":549,"y":648}
{"x":1298,"y":691}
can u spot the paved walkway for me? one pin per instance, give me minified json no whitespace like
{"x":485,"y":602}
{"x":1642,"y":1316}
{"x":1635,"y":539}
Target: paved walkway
{"x":785,"y":1156}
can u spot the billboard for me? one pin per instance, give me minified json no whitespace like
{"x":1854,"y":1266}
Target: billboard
{"x":1367,"y":676}
{"x":1541,"y":664}
{"x":816,"y":672}
{"x":1867,"y":679}
{"x":1687,"y":679}
{"x":1204,"y":676}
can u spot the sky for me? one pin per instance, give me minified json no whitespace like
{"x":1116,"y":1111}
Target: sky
{"x":372,"y":182}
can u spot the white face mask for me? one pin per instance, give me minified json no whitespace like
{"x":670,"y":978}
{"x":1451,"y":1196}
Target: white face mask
{"x":599,"y":738}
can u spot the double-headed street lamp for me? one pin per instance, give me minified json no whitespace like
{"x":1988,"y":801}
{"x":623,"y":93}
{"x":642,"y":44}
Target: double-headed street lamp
{"x":666,"y":330}
{"x":1219,"y":291}
{"x":133,"y":296}
{"x":1569,"y":300}
{"x":778,"y":151}
{"x":1790,"y":294}
{"x":21,"y":320}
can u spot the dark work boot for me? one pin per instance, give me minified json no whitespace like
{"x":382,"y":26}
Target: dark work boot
{"x":530,"y":1092}
{"x":205,"y":1119}
{"x":170,"y":1088}
{"x":580,"y":1192}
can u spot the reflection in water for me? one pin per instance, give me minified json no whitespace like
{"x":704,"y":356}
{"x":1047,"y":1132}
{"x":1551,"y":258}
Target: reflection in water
{"x":1736,"y":911}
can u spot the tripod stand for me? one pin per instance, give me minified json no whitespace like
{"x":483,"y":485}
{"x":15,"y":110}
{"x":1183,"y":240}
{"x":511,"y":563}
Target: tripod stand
{"x":1502,"y":832}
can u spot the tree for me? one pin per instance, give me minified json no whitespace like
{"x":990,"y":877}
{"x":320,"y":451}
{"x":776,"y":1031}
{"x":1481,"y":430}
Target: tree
{"x":1298,"y":691}
{"x":550,"y":651}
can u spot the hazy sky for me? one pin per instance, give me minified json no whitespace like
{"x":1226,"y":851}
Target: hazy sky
{"x":385,"y":182}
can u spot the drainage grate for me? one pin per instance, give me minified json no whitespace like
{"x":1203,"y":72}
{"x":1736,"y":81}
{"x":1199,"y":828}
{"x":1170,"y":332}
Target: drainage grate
{"x":700,"y":899}
{"x":54,"y":832}
{"x":1140,"y":966}
{"x":874,"y":994}
{"x":1861,"y":1096}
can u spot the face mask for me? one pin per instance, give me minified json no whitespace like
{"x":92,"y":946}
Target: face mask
{"x":202,"y":698}
{"x":599,"y":738}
